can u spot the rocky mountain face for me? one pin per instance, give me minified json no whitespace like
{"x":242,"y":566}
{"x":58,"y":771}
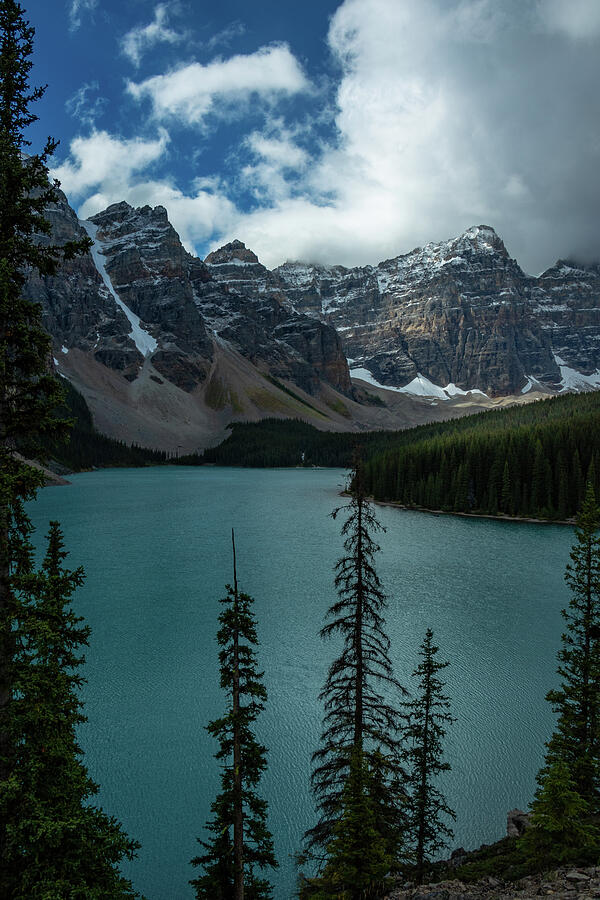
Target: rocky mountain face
{"x":139,"y":313}
{"x":244,"y":304}
{"x":459,"y":312}
{"x":168,"y":349}
{"x":139,"y":293}
{"x":154,"y":278}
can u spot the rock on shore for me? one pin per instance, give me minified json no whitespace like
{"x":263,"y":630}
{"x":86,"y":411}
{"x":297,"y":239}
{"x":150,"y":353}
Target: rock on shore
{"x":561,"y":884}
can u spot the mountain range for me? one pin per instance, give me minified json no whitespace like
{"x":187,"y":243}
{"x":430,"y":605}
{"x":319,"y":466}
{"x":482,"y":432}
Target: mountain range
{"x":169,"y":349}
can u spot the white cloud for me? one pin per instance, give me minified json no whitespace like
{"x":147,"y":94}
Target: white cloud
{"x":102,"y":159}
{"x":142,"y":38}
{"x":193,"y":91}
{"x":82,"y":108}
{"x":578,"y":19}
{"x":104,"y":169}
{"x":279,"y":151}
{"x":76,"y":10}
{"x":447,"y":113}
{"x":278,"y":163}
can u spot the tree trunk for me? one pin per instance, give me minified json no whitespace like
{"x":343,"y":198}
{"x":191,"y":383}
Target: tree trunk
{"x":238,"y":813}
{"x":6,"y":637}
{"x":358,"y":628}
{"x":420,"y":851}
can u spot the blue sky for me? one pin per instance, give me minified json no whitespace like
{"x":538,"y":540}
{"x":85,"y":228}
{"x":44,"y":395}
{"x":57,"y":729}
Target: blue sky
{"x":339,"y":132}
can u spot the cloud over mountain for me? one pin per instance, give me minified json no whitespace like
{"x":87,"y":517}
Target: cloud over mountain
{"x":435,"y":115}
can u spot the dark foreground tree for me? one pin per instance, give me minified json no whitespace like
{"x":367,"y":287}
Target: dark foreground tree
{"x":427,"y":717}
{"x":359,"y":717}
{"x":561,"y":830}
{"x":28,"y":393}
{"x":52,"y":844}
{"x":576,"y":740}
{"x":358,"y":861}
{"x":55,"y":843}
{"x":240,"y":841}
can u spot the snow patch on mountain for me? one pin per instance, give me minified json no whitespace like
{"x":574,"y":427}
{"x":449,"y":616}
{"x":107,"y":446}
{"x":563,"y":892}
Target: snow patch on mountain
{"x":572,"y":380}
{"x":420,"y":386}
{"x":144,"y":341}
{"x":234,"y":262}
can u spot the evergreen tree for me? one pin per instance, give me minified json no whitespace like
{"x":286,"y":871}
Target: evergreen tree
{"x":576,"y":740}
{"x":28,"y":393}
{"x":55,"y":843}
{"x":427,"y":716}
{"x":506,"y":497}
{"x":390,"y":817}
{"x":240,"y":840}
{"x":561,"y":831}
{"x":358,"y":861}
{"x":358,"y":717}
{"x":52,"y":843}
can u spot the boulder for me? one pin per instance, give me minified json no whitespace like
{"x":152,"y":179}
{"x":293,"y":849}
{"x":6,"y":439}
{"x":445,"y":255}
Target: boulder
{"x":516,"y":822}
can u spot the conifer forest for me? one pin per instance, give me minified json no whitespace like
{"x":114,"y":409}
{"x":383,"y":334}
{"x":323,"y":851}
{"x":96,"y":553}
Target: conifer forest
{"x":381,"y":814}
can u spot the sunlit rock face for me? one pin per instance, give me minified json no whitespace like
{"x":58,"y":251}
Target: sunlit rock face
{"x":461,"y":311}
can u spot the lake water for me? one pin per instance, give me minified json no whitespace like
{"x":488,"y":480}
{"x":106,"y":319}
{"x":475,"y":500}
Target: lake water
{"x":155,"y":544}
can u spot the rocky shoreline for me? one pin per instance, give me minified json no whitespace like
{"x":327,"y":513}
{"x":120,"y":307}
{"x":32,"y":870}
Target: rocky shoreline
{"x":560,"y":884}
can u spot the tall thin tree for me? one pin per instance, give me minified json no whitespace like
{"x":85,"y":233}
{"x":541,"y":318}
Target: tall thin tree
{"x":576,"y":739}
{"x":358,"y":695}
{"x":427,"y":718}
{"x":241,"y":841}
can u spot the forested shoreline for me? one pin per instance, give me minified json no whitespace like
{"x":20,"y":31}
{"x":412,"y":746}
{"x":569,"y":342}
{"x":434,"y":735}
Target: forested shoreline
{"x":529,"y":461}
{"x":530,"y":469}
{"x":524,"y":462}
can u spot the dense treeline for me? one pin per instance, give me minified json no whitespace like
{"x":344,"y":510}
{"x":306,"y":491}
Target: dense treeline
{"x":85,"y":448}
{"x":286,"y":442}
{"x":500,"y":464}
{"x":291,"y":442}
{"x":530,"y":460}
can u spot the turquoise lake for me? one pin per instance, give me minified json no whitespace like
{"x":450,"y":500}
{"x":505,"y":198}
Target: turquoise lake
{"x":155,"y":544}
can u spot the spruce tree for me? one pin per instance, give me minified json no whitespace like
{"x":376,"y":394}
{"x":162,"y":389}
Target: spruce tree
{"x":561,"y":830}
{"x":52,"y":843}
{"x":576,"y":740}
{"x":358,"y":716}
{"x":427,"y":718}
{"x":358,"y":860}
{"x":28,"y":393}
{"x":240,"y":841}
{"x":55,"y":843}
